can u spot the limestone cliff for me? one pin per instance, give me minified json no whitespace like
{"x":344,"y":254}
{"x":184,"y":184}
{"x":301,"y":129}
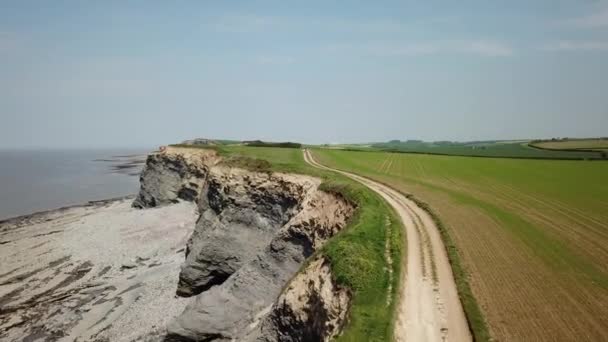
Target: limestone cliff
{"x":312,"y":308}
{"x":254,"y":232}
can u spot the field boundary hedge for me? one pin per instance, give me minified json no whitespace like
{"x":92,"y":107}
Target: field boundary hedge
{"x":476,"y":156}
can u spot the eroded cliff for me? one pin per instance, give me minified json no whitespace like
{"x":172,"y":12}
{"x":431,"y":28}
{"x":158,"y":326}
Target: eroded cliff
{"x":254,"y":232}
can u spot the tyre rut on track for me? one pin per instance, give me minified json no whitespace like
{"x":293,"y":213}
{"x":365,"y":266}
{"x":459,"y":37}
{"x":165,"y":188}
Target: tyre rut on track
{"x":429,"y":308}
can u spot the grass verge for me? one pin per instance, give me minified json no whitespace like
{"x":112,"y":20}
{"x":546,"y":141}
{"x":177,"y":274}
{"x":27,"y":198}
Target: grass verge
{"x":358,"y":262}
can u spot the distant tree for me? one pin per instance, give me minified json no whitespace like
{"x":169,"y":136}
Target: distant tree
{"x":259,"y":143}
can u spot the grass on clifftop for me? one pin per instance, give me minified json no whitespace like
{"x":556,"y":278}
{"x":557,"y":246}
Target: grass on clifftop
{"x":357,"y":254}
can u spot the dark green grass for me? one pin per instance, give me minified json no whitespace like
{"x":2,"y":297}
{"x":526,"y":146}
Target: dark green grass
{"x":357,"y":253}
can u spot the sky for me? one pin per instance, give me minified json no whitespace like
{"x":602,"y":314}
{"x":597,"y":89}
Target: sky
{"x":144,"y":73}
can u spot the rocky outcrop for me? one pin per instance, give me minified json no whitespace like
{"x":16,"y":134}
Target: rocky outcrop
{"x":312,"y":308}
{"x":240,"y":214}
{"x":254,"y":232}
{"x":172,"y":175}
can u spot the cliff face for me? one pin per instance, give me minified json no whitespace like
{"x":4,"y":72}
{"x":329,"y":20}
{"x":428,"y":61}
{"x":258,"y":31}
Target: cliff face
{"x":312,"y":308}
{"x":241,"y":212}
{"x":254,"y":232}
{"x":172,"y":175}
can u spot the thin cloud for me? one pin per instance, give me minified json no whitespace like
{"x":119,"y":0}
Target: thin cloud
{"x":243,"y":23}
{"x":488,"y":48}
{"x":375,"y":26}
{"x":253,"y":23}
{"x":274,"y":60}
{"x":573,"y":45}
{"x":397,"y":49}
{"x":598,"y":19}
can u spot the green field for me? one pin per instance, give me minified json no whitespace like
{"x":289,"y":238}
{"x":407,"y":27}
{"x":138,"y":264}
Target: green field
{"x":532,"y":234}
{"x":506,"y":149}
{"x":600,"y":144}
{"x":357,"y":253}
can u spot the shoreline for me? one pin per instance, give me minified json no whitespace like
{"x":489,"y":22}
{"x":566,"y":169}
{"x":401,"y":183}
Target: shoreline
{"x":31,"y":218}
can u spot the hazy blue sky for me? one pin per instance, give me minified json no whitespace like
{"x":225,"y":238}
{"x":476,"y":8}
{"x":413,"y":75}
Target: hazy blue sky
{"x":144,"y":73}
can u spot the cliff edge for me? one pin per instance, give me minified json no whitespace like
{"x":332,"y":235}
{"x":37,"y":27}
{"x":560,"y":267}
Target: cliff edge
{"x":244,"y":259}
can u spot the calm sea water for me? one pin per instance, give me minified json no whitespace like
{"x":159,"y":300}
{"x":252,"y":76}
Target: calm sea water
{"x":32,"y":181}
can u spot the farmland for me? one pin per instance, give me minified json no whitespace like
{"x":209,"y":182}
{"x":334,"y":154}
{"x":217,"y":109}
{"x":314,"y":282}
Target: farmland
{"x":573,"y":144}
{"x":532,"y":234}
{"x":503,"y":149}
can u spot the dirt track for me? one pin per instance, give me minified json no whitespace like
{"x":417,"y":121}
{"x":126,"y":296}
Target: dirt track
{"x":429,"y":307}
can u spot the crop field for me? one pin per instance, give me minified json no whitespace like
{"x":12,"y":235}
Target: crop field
{"x":506,"y":149}
{"x":531,"y":234}
{"x":574,"y":144}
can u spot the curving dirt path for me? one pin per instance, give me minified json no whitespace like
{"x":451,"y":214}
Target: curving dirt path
{"x":429,"y":307}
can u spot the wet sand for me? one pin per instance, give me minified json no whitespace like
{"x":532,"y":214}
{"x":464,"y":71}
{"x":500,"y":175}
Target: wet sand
{"x":98,"y":272}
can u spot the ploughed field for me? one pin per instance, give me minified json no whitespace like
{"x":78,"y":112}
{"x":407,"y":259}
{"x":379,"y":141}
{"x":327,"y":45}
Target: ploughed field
{"x":532,"y":234}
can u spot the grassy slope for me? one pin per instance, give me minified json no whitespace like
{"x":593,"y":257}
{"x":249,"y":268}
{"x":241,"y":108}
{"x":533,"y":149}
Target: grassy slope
{"x":357,"y":253}
{"x":499,"y":149}
{"x":530,"y":233}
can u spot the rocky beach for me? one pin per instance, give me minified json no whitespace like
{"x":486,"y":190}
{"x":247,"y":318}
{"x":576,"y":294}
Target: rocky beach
{"x":102,"y":271}
{"x":205,"y":252}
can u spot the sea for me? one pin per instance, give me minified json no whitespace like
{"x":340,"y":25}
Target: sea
{"x":38,"y":180}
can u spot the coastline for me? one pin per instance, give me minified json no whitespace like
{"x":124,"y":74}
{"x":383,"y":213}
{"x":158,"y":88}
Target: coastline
{"x":38,"y":216}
